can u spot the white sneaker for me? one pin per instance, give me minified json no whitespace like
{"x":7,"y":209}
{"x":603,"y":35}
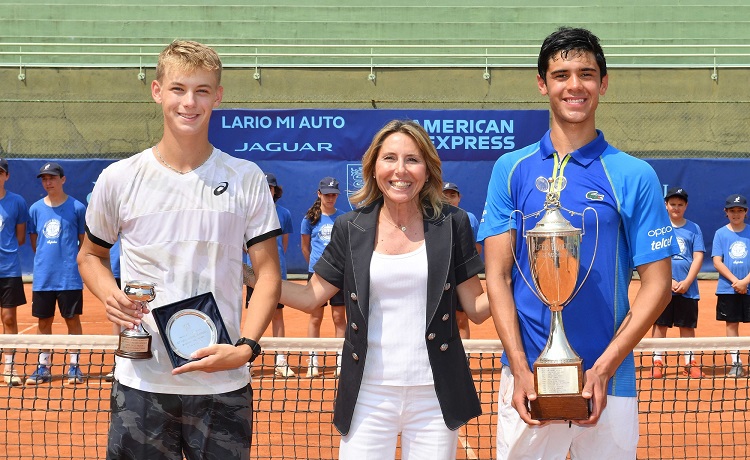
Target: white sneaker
{"x":312,"y":371}
{"x":11,"y":378}
{"x":736,"y":370}
{"x":283,"y":370}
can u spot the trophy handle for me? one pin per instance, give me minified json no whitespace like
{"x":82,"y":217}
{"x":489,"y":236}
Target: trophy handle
{"x":596,"y":245}
{"x":513,"y":249}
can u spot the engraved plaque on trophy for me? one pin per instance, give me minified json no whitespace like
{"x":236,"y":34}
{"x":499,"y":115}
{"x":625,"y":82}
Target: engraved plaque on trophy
{"x":554,"y":261}
{"x":136,"y":343}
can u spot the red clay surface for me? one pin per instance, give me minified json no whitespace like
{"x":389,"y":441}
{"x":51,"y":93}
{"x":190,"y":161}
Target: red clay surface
{"x":95,"y":322}
{"x":681,"y":418}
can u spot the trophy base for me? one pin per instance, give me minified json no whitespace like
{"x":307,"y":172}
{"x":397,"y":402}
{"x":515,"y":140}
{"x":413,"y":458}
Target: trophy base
{"x":560,"y":407}
{"x":558,"y":387}
{"x":134,"y":347}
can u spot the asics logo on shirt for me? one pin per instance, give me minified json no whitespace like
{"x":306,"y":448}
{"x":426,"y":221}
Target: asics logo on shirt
{"x":223,"y":186}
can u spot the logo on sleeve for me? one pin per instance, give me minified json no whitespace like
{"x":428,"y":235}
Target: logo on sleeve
{"x":593,"y":195}
{"x":662,"y":237}
{"x":223,"y":186}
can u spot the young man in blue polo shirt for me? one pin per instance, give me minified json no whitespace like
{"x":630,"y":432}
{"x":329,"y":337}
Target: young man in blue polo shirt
{"x":56,"y":228}
{"x":633,"y":232}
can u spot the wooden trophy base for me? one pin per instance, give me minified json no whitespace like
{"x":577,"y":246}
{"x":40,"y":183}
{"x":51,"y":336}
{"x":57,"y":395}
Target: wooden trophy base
{"x":134,"y":346}
{"x":560,"y":407}
{"x":558,"y":388}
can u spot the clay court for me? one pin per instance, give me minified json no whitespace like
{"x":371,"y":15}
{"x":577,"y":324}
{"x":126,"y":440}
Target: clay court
{"x":681,"y":418}
{"x":95,"y":322}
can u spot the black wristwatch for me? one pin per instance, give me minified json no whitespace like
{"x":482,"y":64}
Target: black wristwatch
{"x":255,"y":346}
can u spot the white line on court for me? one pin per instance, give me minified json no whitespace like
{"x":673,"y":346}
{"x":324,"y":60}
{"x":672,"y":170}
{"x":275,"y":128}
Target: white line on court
{"x":470,"y":454}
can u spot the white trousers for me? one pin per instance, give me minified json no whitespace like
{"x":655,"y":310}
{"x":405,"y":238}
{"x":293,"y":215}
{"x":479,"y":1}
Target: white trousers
{"x":382,"y":412}
{"x":614,"y":437}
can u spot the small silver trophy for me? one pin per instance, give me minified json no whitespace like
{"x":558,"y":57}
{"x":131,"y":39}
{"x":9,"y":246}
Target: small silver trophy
{"x":554,"y":260}
{"x":136,"y":343}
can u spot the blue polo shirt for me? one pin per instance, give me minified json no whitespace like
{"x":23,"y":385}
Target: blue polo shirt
{"x":633,"y":229}
{"x":690,"y":240}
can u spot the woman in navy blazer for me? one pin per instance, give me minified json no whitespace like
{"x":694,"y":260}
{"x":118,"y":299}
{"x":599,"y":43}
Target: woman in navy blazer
{"x":404,"y":259}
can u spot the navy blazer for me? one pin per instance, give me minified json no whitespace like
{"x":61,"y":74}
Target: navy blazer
{"x":451,"y":259}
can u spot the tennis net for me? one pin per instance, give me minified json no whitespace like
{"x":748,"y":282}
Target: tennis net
{"x":681,"y":417}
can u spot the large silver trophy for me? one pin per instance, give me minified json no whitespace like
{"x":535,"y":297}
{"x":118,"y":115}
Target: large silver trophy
{"x":136,"y":343}
{"x":554,"y":260}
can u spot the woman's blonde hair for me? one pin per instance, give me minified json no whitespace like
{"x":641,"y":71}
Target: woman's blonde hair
{"x":431,"y":196}
{"x":188,"y":56}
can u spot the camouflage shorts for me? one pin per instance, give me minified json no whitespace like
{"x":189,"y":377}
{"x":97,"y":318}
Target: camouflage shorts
{"x":166,"y":426}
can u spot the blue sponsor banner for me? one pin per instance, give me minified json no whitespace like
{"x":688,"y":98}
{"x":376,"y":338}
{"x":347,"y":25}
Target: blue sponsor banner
{"x":318,"y":134}
{"x":707,"y":181}
{"x":302,"y":146}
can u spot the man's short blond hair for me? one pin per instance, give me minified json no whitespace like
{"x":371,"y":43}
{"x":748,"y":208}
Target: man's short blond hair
{"x":188,"y":56}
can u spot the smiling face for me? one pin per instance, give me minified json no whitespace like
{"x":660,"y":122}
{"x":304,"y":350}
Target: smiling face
{"x":400,"y":169}
{"x":573,"y":85}
{"x":736,"y":215}
{"x":187,"y":99}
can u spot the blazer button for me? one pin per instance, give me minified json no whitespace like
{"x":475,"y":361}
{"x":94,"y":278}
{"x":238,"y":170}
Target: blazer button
{"x":446,"y":317}
{"x":431,"y":336}
{"x":443,"y":347}
{"x":447,"y":286}
{"x":353,"y":296}
{"x":355,"y":356}
{"x":355,"y":327}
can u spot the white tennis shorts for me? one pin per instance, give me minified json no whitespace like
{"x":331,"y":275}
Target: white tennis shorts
{"x":614,"y":437}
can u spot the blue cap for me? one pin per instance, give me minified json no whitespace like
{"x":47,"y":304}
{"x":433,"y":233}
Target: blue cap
{"x":676,"y":191}
{"x":271,"y":179}
{"x":736,"y":201}
{"x":451,"y":186}
{"x":52,"y":169}
{"x":328,"y":185}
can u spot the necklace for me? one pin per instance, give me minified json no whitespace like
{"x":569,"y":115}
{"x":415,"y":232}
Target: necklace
{"x":400,"y":227}
{"x":164,"y":162}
